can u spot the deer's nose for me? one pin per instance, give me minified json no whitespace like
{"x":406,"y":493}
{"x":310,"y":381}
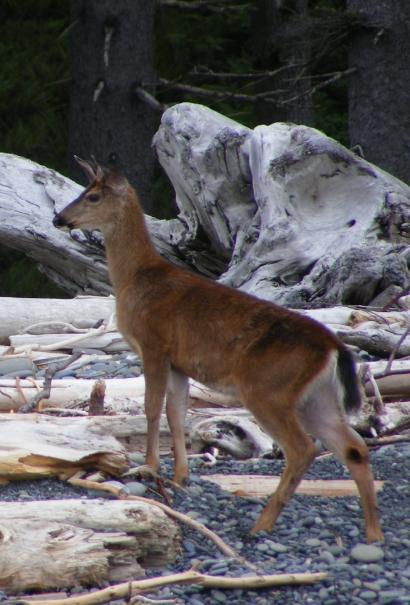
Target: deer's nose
{"x":58,"y":221}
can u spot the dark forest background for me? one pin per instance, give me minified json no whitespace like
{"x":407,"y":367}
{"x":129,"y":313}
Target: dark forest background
{"x":94,"y":76}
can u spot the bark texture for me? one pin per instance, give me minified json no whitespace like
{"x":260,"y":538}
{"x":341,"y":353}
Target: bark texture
{"x":111,"y":54}
{"x":379,"y":118}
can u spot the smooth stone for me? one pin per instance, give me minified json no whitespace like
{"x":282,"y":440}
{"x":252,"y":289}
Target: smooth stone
{"x":220,"y":596}
{"x":313,"y":542}
{"x":135,"y":488}
{"x":368,"y":595}
{"x":117,"y":484}
{"x":366,"y":553}
{"x":390,"y":596}
{"x":276,"y":546}
{"x":327,"y":557}
{"x":136,"y":458}
{"x":96,"y":493}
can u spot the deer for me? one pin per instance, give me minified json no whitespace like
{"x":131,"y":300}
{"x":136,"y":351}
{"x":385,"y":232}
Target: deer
{"x":291,"y":372}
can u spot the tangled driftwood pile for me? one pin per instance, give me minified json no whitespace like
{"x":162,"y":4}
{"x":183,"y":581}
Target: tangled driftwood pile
{"x":281,"y":211}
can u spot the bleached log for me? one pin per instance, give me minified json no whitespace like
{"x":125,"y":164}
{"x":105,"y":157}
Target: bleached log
{"x":128,"y":394}
{"x":17,"y":314}
{"x":65,"y":543}
{"x":128,"y":430}
{"x":375,"y":331}
{"x":65,"y":392}
{"x":260,"y":486}
{"x":39,"y":448}
{"x":110,"y":341}
{"x":306,"y":223}
{"x":121,"y":394}
{"x":376,"y":340}
{"x":30,"y":194}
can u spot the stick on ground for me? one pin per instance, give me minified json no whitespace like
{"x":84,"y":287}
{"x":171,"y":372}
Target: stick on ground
{"x":129,"y":589}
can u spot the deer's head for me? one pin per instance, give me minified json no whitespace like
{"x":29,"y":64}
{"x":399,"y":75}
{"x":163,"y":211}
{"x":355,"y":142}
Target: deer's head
{"x":99,"y":204}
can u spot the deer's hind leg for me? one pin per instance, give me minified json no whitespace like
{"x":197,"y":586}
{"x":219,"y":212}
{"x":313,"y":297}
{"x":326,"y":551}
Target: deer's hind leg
{"x":324,"y":420}
{"x":298,"y":448}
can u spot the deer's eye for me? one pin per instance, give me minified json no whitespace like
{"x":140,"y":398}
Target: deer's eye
{"x":93,"y":197}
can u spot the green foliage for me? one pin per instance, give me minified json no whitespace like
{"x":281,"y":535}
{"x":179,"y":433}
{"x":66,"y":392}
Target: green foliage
{"x":33,"y":94}
{"x":20,"y":277}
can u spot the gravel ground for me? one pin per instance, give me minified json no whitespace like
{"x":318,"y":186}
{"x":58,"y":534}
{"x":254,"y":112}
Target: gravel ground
{"x":313,"y":534}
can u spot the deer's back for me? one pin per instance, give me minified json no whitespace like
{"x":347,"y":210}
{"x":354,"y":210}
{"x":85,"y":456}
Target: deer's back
{"x":214,"y":333}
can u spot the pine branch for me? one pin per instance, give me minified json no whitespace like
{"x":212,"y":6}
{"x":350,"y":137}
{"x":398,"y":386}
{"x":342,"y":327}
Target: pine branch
{"x":205,"y":6}
{"x":225,"y":95}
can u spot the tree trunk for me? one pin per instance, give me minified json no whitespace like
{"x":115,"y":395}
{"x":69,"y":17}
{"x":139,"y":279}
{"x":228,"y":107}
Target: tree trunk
{"x":111,"y":54}
{"x":60,"y":544}
{"x":379,"y":117}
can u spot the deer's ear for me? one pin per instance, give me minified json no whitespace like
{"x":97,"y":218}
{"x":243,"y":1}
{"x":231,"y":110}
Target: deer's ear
{"x":116,"y":182}
{"x":87,"y":169}
{"x":99,"y":174}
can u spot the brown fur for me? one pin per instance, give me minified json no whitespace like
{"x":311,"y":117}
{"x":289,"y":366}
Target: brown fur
{"x":281,"y":365}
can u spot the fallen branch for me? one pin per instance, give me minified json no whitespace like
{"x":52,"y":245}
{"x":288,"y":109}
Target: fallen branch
{"x":130,"y":589}
{"x":395,"y":350}
{"x":227,"y":550}
{"x":49,"y":374}
{"x":387,"y":440}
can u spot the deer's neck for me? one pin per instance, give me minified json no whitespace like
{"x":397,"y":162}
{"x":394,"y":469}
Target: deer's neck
{"x":128,"y":246}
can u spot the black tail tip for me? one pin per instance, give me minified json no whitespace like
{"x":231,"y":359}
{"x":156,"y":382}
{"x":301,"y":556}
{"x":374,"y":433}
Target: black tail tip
{"x":348,"y":377}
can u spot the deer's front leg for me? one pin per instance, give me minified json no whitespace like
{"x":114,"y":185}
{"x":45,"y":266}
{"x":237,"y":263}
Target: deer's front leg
{"x":156,"y":374}
{"x":177,"y":405}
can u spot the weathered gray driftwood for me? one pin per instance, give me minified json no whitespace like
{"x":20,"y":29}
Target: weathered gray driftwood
{"x":281,"y":211}
{"x":39,"y":315}
{"x":30,"y":194}
{"x":66,"y":543}
{"x":52,"y":325}
{"x":42,"y":446}
{"x":296,"y":216}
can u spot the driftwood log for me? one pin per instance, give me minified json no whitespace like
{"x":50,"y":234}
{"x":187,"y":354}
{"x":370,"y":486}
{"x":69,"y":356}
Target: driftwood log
{"x":261,"y":486}
{"x":45,"y":315}
{"x":295,"y":217}
{"x":34,"y":446}
{"x":88,"y":322}
{"x":281,"y":211}
{"x":69,"y":543}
